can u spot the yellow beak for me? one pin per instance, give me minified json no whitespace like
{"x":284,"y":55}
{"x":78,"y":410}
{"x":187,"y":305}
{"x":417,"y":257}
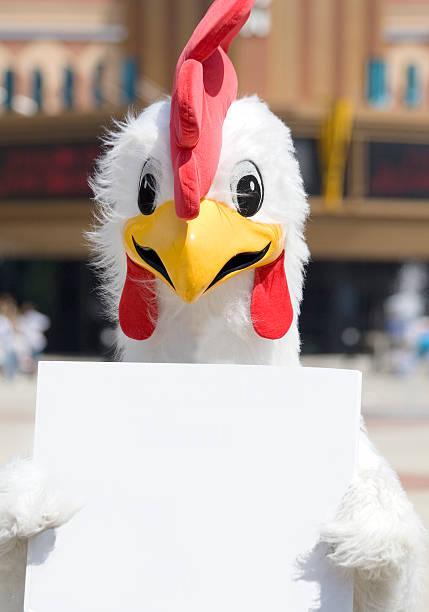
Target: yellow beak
{"x":191,"y":257}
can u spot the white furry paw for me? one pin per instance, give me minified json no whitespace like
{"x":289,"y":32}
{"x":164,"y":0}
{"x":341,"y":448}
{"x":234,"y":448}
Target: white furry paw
{"x":27,"y":504}
{"x":378,"y":539}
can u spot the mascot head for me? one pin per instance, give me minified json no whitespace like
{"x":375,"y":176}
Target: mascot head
{"x":197,"y":192}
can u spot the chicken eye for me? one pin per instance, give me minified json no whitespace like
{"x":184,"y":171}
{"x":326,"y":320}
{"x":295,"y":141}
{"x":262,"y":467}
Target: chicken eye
{"x":147,"y":193}
{"x":247,"y":188}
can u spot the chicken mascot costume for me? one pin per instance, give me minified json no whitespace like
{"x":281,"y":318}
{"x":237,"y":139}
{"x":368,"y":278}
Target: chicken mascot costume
{"x":199,"y":242}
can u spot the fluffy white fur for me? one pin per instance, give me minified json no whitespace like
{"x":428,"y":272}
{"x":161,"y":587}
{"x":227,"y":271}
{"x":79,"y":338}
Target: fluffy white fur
{"x":28,"y":505}
{"x":378,"y":539}
{"x":376,"y":535}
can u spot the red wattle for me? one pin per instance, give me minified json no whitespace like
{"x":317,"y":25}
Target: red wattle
{"x":138,"y":307}
{"x":271,"y":307}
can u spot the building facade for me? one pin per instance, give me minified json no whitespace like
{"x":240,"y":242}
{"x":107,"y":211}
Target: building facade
{"x":67,"y":68}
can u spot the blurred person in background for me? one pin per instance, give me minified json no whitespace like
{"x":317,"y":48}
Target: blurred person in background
{"x":22,"y":337}
{"x":423,"y":340}
{"x":406,"y":325}
{"x":33,"y":325}
{"x":8,"y":345}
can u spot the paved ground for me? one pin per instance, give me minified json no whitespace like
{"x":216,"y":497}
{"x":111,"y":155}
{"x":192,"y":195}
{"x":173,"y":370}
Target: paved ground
{"x":396,"y":411}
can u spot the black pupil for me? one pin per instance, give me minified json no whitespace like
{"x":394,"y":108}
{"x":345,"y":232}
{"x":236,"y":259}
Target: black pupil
{"x":147,"y":194}
{"x":248,"y":195}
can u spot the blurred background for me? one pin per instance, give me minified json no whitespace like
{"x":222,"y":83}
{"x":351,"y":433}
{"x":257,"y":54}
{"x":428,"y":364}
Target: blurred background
{"x":350,"y":78}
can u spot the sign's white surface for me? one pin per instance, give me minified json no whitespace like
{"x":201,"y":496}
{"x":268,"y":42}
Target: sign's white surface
{"x":202,"y":487}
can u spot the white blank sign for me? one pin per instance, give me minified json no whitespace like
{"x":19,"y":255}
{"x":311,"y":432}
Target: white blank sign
{"x":203,"y":487}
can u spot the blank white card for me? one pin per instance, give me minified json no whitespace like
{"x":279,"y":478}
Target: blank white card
{"x":202,"y":487}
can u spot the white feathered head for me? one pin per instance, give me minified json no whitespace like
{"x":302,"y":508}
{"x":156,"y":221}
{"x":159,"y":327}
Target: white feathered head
{"x":201,"y":210}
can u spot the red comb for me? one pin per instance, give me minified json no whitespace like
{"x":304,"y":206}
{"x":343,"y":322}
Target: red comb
{"x":205,"y":85}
